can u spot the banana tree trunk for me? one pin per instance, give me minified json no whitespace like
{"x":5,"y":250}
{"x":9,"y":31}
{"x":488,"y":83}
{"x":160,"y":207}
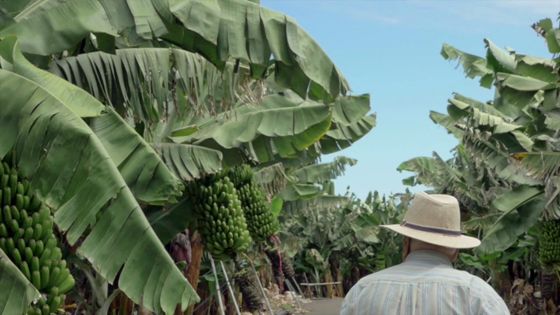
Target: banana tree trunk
{"x":122,"y":305}
{"x":276,"y":261}
{"x":339,"y":286}
{"x":330,"y":287}
{"x":205,"y":306}
{"x":308,"y":291}
{"x":193,"y":271}
{"x":181,"y":250}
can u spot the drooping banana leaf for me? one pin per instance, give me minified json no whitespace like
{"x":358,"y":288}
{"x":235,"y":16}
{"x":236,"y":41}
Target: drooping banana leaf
{"x":83,"y":104}
{"x":487,"y":116}
{"x":348,"y":110}
{"x":50,"y":26}
{"x":318,"y":173}
{"x":141,"y":167}
{"x":536,"y":68}
{"x":276,"y":116}
{"x":474,"y":66}
{"x":133,"y":80}
{"x":313,"y":183}
{"x":523,"y":83}
{"x":539,"y":165}
{"x":544,"y":167}
{"x":188,"y":161}
{"x":427,"y":171}
{"x":144,"y":172}
{"x":16,"y":292}
{"x":245,"y":31}
{"x":551,"y":34}
{"x":483,"y":114}
{"x":515,"y":198}
{"x":498,"y":59}
{"x":350,"y":123}
{"x":277,"y":126}
{"x":272,"y":178}
{"x":511,"y":224}
{"x":452,"y":126}
{"x":449,"y":177}
{"x":342,"y":136}
{"x":219,"y":30}
{"x":497,"y":159}
{"x":72,"y":172}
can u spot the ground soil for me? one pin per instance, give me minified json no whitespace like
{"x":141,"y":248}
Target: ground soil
{"x":323,"y":306}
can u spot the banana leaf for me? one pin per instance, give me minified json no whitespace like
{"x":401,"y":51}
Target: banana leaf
{"x":147,"y":176}
{"x":144,"y":172}
{"x":188,"y":161}
{"x":318,"y":173}
{"x":507,"y":228}
{"x":94,"y":208}
{"x":16,"y":292}
{"x":218,"y":30}
{"x":50,"y":26}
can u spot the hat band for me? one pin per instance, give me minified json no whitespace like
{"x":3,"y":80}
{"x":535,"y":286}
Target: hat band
{"x":431,"y":229}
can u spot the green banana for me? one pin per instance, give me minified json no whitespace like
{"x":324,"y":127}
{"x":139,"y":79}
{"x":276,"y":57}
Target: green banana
{"x":66,"y":284}
{"x":16,"y":256}
{"x":25,"y":270}
{"x":7,"y":195}
{"x":36,"y":279}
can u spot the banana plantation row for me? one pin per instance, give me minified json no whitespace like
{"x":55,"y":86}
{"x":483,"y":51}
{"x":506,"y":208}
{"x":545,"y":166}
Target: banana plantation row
{"x":164,"y":157}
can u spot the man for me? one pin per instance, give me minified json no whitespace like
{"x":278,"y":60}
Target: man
{"x":426,"y":283}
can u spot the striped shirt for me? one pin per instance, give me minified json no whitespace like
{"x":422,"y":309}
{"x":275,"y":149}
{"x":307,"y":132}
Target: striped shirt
{"x":425,"y":284}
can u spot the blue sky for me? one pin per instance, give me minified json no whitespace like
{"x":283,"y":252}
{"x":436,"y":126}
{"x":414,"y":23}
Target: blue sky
{"x":391,"y":50}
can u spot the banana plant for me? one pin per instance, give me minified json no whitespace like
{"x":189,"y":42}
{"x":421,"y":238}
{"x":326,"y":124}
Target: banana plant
{"x":198,"y":106}
{"x":218,"y":30}
{"x":84,"y":215}
{"x":109,"y":155}
{"x":508,"y":146}
{"x":345,"y":238}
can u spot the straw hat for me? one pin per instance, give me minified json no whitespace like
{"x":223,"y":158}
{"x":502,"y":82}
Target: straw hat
{"x":434,"y":219}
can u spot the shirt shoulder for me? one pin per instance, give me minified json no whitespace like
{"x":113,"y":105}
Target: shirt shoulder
{"x":476,"y":293}
{"x":420,"y":273}
{"x":485,"y":298}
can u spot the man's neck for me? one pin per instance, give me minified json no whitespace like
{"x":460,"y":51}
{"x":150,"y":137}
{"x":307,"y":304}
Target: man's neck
{"x":430,"y":254}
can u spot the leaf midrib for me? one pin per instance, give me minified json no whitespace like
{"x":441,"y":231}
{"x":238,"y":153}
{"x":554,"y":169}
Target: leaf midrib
{"x":29,"y":9}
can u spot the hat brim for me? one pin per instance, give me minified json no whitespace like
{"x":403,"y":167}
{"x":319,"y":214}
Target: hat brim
{"x":445,"y":240}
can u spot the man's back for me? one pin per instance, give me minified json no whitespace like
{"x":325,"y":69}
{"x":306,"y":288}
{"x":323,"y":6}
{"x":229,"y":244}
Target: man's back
{"x":425,"y":284}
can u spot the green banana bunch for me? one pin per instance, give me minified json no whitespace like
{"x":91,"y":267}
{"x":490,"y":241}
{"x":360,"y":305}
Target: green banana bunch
{"x":219,"y":216}
{"x":549,"y":245}
{"x":28,"y":239}
{"x":260,"y":220}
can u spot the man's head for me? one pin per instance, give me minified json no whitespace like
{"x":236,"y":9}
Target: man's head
{"x":434,"y":220}
{"x":410,"y":245}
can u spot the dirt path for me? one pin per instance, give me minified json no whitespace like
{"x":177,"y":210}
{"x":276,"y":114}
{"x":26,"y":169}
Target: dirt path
{"x":324,"y":306}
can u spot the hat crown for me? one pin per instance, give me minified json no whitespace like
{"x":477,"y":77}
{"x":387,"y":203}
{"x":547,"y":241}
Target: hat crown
{"x":435,"y":211}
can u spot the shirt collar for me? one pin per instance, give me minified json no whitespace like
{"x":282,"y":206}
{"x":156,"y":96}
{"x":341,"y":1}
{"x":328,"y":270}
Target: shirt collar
{"x":428,"y":256}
